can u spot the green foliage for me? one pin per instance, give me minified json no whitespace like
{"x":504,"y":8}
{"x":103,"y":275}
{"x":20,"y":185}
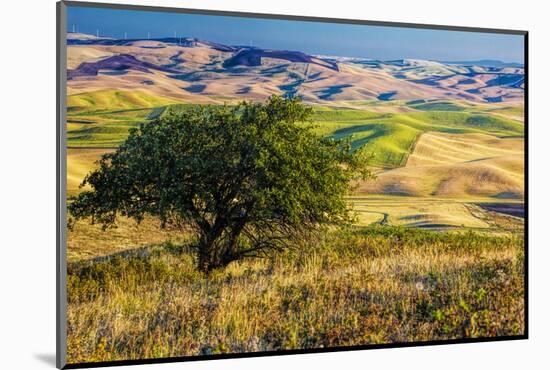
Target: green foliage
{"x":246,"y":177}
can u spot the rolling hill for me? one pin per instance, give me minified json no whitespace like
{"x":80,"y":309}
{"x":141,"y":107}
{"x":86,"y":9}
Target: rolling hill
{"x":191,"y":69}
{"x":443,"y":136}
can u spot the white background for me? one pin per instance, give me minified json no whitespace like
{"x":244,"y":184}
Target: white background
{"x":27,"y":182}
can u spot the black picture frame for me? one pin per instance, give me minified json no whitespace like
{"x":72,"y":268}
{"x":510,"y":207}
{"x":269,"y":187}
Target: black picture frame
{"x":61,"y":171}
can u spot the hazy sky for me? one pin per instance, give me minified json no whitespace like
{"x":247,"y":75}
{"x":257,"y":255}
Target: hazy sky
{"x":384,"y":43}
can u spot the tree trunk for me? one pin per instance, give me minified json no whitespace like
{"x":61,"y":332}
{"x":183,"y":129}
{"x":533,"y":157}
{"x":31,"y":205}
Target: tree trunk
{"x":215,"y":252}
{"x":204,"y":263}
{"x":207,"y":256}
{"x":211,"y":254}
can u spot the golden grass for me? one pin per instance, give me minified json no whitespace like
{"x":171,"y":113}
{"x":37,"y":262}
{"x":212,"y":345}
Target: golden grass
{"x":380,"y":285}
{"x":87,"y":240}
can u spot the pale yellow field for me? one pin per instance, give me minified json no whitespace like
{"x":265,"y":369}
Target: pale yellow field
{"x":443,"y":179}
{"x":87,"y":241}
{"x":430,"y":212}
{"x":435,"y":148}
{"x":414,"y":211}
{"x":79,"y":163}
{"x":81,"y":54}
{"x":456,"y":165}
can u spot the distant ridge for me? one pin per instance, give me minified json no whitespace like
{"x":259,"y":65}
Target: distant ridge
{"x":121,"y":62}
{"x":486,"y":63}
{"x":181,"y":41}
{"x":71,"y":36}
{"x":253,"y":57}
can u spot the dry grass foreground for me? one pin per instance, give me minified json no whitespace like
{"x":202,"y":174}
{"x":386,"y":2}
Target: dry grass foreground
{"x":356,"y":286}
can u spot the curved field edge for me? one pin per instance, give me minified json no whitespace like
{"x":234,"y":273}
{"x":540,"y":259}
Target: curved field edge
{"x":460,"y":166}
{"x":352,"y":287}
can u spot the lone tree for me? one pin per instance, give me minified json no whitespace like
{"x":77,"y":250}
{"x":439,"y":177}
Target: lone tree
{"x":249,"y":178}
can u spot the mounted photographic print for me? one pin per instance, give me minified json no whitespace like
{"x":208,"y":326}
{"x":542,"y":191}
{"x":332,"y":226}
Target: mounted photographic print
{"x":234,"y":184}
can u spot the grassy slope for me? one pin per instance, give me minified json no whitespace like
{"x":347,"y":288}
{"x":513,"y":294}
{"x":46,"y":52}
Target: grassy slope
{"x":440,"y":148}
{"x":115,"y":99}
{"x":103,"y":118}
{"x":391,"y":136}
{"x":460,"y":166}
{"x":378,"y":285}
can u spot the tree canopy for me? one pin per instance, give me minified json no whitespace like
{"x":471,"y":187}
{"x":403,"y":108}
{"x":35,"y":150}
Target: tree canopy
{"x":248,"y":178}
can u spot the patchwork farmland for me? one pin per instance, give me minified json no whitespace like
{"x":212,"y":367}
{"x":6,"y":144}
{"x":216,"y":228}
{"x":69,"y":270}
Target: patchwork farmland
{"x":436,"y":248}
{"x":462,"y":154}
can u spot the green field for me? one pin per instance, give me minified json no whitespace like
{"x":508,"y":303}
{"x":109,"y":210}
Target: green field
{"x":102,"y":120}
{"x":104,"y":100}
